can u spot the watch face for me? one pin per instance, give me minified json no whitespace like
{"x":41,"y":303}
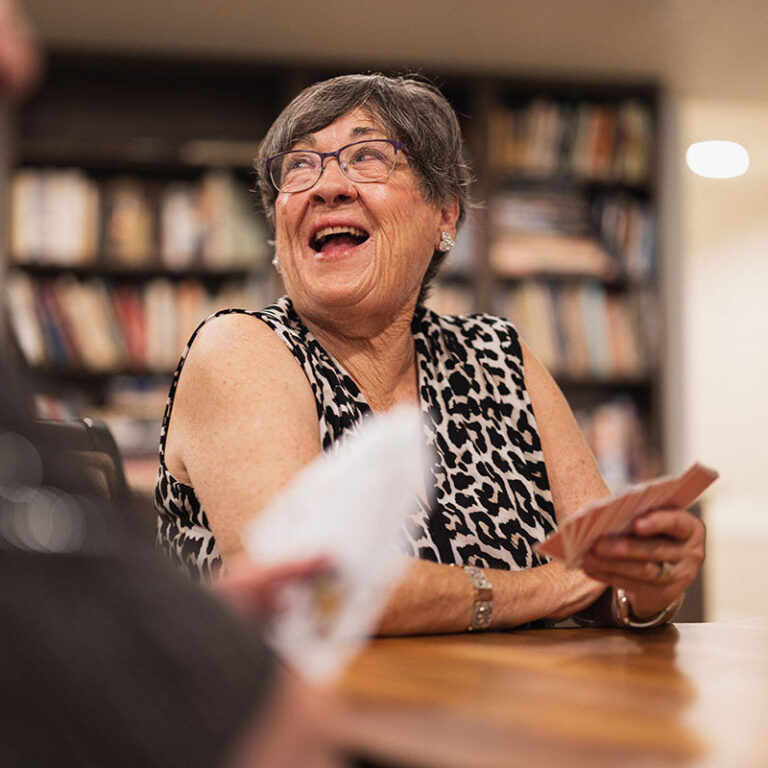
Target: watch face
{"x":481,"y":614}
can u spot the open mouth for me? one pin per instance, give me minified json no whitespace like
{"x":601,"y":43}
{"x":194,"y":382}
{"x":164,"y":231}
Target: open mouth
{"x":339,"y":237}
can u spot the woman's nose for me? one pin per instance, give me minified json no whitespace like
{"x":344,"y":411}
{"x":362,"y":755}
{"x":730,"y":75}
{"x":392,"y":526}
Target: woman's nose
{"x":333,"y":186}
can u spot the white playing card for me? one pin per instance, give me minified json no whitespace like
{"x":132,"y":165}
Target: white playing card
{"x":350,"y":506}
{"x":614,"y":516}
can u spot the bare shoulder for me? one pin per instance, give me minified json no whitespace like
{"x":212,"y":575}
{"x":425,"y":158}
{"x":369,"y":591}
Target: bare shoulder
{"x":230,"y":345}
{"x":244,"y":419}
{"x":239,"y":367}
{"x":574,"y":476}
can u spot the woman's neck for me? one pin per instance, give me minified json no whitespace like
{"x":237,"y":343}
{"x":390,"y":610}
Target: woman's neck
{"x":379,"y":357}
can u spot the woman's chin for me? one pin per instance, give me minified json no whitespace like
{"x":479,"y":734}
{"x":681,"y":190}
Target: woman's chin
{"x":336,"y":280}
{"x":333,"y":291}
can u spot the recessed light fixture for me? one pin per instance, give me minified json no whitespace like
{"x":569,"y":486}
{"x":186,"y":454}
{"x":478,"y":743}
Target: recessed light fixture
{"x":717,"y":159}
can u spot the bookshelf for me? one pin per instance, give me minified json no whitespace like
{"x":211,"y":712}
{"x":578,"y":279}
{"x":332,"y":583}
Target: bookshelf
{"x":152,"y":157}
{"x":130,"y":220}
{"x":569,"y":251}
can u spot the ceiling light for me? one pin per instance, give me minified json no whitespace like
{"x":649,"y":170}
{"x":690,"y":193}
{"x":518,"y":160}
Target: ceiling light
{"x":717,"y":159}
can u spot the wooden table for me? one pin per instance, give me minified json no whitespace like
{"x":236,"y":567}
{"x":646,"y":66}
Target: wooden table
{"x":684,"y":695}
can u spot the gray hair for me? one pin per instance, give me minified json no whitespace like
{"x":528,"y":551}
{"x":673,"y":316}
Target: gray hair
{"x":410,"y":109}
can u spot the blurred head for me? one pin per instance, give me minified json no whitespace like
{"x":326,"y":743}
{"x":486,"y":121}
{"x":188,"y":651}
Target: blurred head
{"x":403,"y":109}
{"x":20,"y":58}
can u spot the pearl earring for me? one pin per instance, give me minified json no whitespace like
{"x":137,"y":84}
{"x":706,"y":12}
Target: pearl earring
{"x":446,"y":242}
{"x":276,"y":265}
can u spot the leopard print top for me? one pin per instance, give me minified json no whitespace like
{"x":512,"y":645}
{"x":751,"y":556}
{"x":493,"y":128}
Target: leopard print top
{"x":491,"y":497}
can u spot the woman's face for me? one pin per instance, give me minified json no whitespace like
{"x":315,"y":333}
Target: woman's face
{"x":379,"y":276}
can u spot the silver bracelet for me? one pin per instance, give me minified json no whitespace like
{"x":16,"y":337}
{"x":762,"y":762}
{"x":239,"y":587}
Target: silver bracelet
{"x":482,"y":610}
{"x":623,"y":616}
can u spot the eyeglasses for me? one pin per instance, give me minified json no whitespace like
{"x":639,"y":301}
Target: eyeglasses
{"x":362,"y":161}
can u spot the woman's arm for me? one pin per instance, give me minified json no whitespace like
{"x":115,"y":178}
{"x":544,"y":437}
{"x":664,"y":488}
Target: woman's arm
{"x":574,"y":476}
{"x":440,"y":598}
{"x":631,"y":562}
{"x":244,"y":422}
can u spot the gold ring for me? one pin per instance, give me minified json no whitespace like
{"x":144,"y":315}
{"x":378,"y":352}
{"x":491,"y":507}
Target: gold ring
{"x":665,"y":572}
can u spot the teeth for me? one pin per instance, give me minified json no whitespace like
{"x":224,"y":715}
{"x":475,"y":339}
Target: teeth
{"x":343,"y":230}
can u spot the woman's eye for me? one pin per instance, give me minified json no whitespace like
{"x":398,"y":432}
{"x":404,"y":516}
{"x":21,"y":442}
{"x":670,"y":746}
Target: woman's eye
{"x":367,"y":154}
{"x":297,"y":162}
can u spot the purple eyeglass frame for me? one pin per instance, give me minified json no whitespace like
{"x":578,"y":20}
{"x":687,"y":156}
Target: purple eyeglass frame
{"x":398,"y":145}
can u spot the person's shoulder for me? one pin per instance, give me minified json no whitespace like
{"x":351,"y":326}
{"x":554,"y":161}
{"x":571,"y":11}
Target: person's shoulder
{"x":228,"y":332}
{"x":243,"y":344}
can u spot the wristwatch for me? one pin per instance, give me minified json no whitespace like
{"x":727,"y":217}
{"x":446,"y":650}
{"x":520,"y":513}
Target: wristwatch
{"x":482,"y":610}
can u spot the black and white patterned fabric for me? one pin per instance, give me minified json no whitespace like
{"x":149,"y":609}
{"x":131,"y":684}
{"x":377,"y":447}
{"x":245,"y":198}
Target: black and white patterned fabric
{"x":491,"y":498}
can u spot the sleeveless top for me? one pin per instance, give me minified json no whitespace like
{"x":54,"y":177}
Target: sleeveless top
{"x":491,"y":501}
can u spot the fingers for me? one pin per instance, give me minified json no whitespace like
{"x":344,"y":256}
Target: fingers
{"x":674,"y":523}
{"x":641,"y":580}
{"x":253,"y":590}
{"x":617,"y":548}
{"x":665,"y":534}
{"x":656,"y":562}
{"x":289,"y":572}
{"x":636,"y":571}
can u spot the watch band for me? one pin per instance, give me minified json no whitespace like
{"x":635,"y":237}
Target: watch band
{"x":625,"y":618}
{"x":482,"y":610}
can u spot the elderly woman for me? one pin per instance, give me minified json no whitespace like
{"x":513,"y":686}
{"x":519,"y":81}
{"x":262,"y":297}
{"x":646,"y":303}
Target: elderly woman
{"x":362,"y":178}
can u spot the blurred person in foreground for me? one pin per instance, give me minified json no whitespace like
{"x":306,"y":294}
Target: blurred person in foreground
{"x":363,"y":181}
{"x":108,"y":657}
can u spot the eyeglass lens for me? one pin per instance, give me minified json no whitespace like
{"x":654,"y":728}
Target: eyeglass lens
{"x":363,"y":161}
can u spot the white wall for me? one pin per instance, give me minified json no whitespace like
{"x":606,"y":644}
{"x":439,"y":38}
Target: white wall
{"x":724,"y":312}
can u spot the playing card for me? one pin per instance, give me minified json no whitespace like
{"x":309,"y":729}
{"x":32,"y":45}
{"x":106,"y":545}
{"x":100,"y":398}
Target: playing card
{"x":349,"y":506}
{"x":614,"y":516}
{"x":556,"y":546}
{"x":693,"y":483}
{"x":636,"y":500}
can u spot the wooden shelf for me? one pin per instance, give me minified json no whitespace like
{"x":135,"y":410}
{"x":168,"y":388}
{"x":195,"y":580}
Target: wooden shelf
{"x":559,"y":278}
{"x":73,"y":375}
{"x":149,"y":156}
{"x":513,"y":180}
{"x":138,"y":275}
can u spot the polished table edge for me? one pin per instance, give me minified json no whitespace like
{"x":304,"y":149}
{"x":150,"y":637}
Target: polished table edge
{"x":565,"y":696}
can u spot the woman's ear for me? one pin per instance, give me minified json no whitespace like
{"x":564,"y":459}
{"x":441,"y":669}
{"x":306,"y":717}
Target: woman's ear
{"x":449,"y":214}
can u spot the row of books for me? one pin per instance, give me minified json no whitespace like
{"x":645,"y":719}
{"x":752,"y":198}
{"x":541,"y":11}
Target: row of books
{"x":583,"y":331}
{"x":563,"y":232}
{"x":65,"y":217}
{"x":93,"y":325}
{"x":608,"y":143}
{"x":617,"y":431}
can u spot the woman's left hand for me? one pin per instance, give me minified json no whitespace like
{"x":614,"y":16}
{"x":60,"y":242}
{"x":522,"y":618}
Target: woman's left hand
{"x":654,"y":563}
